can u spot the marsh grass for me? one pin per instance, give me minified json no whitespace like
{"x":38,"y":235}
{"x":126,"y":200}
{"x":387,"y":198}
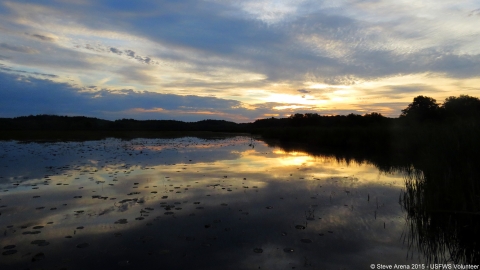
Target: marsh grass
{"x":442,"y":192}
{"x":440,"y":221}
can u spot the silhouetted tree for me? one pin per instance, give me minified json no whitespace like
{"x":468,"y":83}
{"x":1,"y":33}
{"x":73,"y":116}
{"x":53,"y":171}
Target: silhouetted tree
{"x":462,"y":106}
{"x":373,"y":115}
{"x":422,"y":108}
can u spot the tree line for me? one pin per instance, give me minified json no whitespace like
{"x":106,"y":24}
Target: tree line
{"x":422,"y":110}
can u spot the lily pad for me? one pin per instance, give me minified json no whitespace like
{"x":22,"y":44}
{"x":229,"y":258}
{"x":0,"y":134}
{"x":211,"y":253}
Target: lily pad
{"x":37,"y":242}
{"x":38,"y":257}
{"x":9,"y":252}
{"x":82,"y":245}
{"x":121,"y":221}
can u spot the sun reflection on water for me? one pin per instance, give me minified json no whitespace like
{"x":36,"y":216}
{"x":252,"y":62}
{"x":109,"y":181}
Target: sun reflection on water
{"x":150,"y":199}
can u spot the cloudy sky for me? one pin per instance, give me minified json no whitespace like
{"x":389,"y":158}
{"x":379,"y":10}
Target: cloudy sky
{"x":235,"y":60}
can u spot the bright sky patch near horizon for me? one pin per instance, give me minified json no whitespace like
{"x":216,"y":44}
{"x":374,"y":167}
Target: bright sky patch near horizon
{"x":235,"y":60}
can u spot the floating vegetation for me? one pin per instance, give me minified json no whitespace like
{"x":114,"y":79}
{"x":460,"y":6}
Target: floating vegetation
{"x":258,"y":250}
{"x":40,"y":243}
{"x":83,"y":245}
{"x":121,"y":221}
{"x":38,"y":257}
{"x":32,"y":232}
{"x":9,"y":252}
{"x":123,"y":263}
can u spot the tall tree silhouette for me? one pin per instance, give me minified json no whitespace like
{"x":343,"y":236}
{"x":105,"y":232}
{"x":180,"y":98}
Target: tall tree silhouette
{"x":422,"y":108}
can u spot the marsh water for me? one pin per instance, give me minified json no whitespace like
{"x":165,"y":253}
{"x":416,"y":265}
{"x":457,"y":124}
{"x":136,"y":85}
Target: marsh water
{"x":191,"y":203}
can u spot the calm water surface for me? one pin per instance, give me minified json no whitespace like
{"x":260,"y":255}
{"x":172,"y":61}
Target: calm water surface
{"x":192,"y":203}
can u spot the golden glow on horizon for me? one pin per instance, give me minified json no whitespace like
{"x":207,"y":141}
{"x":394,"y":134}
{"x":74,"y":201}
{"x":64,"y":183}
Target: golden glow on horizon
{"x":294,"y":107}
{"x":311,"y":85}
{"x":279,"y":151}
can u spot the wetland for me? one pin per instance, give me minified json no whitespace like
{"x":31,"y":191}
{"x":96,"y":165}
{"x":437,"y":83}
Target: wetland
{"x":231,"y":202}
{"x":307,"y":191}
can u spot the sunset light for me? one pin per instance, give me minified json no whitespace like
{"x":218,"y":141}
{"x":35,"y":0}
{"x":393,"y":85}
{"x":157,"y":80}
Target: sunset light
{"x":234,"y":61}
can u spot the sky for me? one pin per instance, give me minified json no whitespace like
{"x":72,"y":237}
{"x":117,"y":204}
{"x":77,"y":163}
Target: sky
{"x":234,"y":60}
